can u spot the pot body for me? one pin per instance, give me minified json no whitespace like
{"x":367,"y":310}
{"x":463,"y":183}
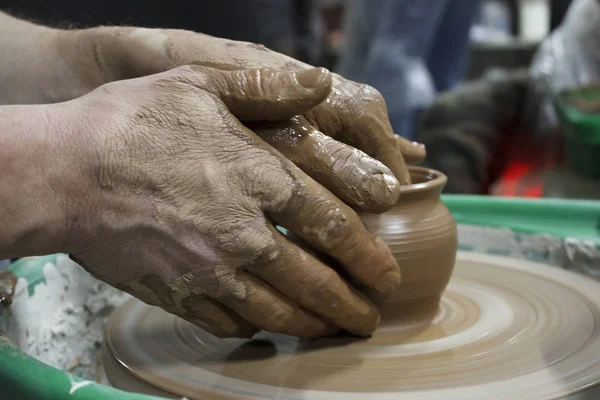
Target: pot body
{"x":421,"y":234}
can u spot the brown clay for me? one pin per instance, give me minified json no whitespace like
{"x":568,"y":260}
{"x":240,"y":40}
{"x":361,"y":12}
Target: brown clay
{"x":421,"y":234}
{"x":505,"y":329}
{"x":362,"y":182}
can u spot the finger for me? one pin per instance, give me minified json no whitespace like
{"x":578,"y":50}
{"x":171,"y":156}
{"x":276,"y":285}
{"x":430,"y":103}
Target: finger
{"x":357,"y":115}
{"x":314,"y":286}
{"x":359,"y":180}
{"x":268,"y":309}
{"x":196,"y":308}
{"x":414,"y":152}
{"x":264,"y":94}
{"x":323,"y":221}
{"x":326,"y":223}
{"x":214,"y":317}
{"x":373,"y":134}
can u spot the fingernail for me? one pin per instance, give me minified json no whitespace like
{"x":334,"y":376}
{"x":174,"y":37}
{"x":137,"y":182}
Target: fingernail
{"x":312,"y":78}
{"x":388,"y":282}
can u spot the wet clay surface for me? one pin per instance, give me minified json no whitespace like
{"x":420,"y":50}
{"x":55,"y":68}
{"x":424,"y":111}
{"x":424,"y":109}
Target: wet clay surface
{"x":350,"y":174}
{"x":504,"y":328}
{"x":421,"y":234}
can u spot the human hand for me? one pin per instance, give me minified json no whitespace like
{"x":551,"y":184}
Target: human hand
{"x":353,"y":113}
{"x":182,"y":202}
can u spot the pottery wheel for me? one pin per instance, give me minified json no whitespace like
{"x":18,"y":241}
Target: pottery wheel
{"x":505,"y":329}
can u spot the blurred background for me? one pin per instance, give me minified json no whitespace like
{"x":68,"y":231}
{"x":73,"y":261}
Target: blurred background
{"x":503,"y":92}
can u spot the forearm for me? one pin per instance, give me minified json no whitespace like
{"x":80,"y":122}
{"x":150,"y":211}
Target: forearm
{"x":33,"y":208}
{"x":41,"y":65}
{"x":32,"y":70}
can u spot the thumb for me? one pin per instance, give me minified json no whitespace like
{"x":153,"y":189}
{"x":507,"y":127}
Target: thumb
{"x":269,"y":95}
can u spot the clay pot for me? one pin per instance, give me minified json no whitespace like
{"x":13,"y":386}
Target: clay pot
{"x":422,"y":235}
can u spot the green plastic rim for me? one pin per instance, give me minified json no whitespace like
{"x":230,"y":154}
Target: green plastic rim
{"x":582,"y":125}
{"x":23,"y":377}
{"x":577,"y":219}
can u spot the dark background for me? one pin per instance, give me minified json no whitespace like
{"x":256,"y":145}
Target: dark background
{"x":244,"y":20}
{"x":233,"y":19}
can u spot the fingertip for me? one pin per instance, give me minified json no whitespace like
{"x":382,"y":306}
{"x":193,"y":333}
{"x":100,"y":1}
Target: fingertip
{"x":390,"y":277}
{"x":314,"y":78}
{"x":413,"y":152}
{"x":367,"y":329}
{"x":388,"y":282}
{"x":381,"y":192}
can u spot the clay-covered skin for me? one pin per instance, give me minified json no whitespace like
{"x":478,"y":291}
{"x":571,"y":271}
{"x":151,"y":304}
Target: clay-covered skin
{"x":182,"y":202}
{"x":352,"y":113}
{"x":362,"y":181}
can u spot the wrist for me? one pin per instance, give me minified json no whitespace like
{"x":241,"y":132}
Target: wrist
{"x":41,"y":180}
{"x":32,"y":70}
{"x":101,"y":55}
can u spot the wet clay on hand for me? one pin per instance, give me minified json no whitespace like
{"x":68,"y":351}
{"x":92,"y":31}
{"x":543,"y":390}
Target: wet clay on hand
{"x":363,"y":182}
{"x":352,"y":113}
{"x":185,"y":199}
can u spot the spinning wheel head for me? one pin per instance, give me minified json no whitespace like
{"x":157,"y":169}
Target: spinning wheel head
{"x":504,"y":329}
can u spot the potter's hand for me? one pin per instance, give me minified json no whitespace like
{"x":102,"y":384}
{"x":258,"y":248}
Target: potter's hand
{"x":183,"y":200}
{"x":353,"y":113}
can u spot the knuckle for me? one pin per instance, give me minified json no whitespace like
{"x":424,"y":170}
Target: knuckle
{"x":198,"y":69}
{"x":190,"y":69}
{"x":325,"y":281}
{"x":108,"y":88}
{"x":371,"y":99}
{"x":247,"y":238}
{"x":369,"y":92}
{"x":254,"y":83}
{"x":193,"y":76}
{"x":267,"y":180}
{"x":374,"y":93}
{"x":321,"y":289}
{"x":182,"y":70}
{"x":330,"y":226}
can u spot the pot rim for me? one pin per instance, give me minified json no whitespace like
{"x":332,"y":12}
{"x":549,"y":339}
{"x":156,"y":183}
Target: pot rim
{"x":435,"y":180}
